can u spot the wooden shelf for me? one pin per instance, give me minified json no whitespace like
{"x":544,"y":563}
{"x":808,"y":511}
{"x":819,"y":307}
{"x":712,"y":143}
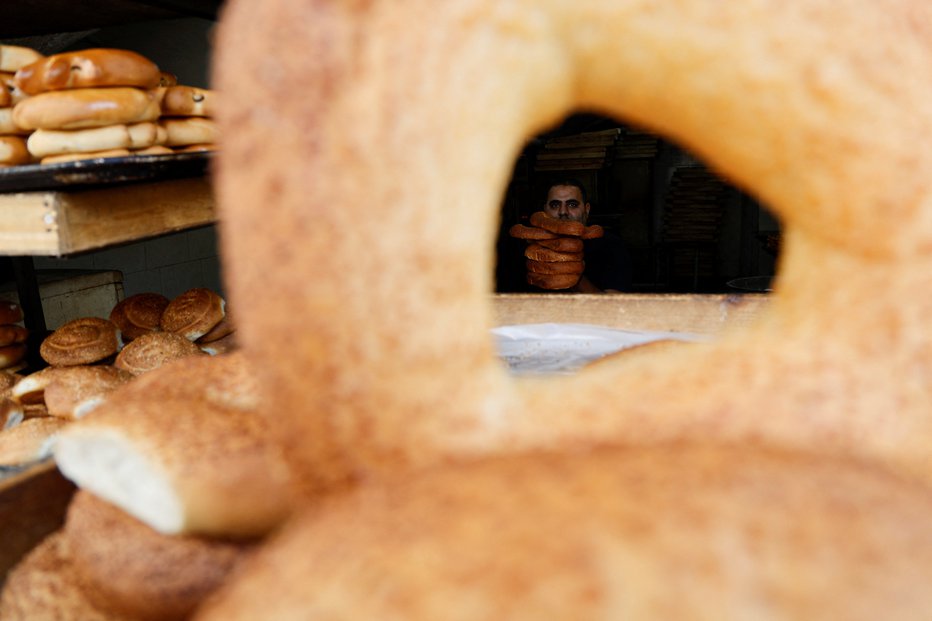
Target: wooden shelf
{"x":57,"y":223}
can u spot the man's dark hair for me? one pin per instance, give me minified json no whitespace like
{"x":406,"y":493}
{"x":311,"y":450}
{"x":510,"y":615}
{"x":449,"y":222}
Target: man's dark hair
{"x":572,"y":182}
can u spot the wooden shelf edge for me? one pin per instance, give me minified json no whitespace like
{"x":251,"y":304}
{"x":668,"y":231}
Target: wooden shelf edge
{"x":60,"y":223}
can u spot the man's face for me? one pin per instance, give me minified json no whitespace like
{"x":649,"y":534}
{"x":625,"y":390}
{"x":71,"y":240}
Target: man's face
{"x":565,"y":202}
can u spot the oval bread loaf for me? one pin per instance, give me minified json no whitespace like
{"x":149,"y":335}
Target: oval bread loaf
{"x":86,"y":107}
{"x":188,"y":101}
{"x":81,"y":341}
{"x":189,"y":131}
{"x":94,"y":67}
{"x":45,"y":142}
{"x":138,"y":314}
{"x":151,"y":350}
{"x":193,"y":313}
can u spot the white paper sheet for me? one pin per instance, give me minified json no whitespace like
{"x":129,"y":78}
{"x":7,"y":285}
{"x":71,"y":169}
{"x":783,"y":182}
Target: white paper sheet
{"x":567,"y":347}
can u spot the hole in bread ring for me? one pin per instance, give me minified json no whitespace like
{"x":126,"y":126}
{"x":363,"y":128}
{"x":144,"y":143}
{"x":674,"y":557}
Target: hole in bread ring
{"x":384,"y":186}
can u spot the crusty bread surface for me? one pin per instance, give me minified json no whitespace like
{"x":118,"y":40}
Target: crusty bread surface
{"x":138,"y":314}
{"x":81,"y":341}
{"x":93,"y":67}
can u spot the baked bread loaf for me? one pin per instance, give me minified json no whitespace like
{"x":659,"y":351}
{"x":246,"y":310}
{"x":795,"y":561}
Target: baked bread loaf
{"x":29,"y":441}
{"x":8,"y":126}
{"x":224,"y":328}
{"x":10,"y":312}
{"x":188,"y":101}
{"x":563,"y":244}
{"x":14,"y":57}
{"x":131,"y":569}
{"x":555,"y":267}
{"x":193,"y":313}
{"x":72,"y":392}
{"x":11,"y":355}
{"x":537,"y":252}
{"x":225,"y":345}
{"x":552,"y":281}
{"x":152,"y":350}
{"x":139,"y":314}
{"x":86,"y":107}
{"x":45,"y":585}
{"x":94,"y":67}
{"x":186,"y":466}
{"x":521,"y":231}
{"x":81,"y":341}
{"x":13,"y":151}
{"x":45,"y":142}
{"x":11,"y":334}
{"x":189,"y":131}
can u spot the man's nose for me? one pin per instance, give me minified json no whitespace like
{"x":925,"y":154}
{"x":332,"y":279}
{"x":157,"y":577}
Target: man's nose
{"x":562,"y":210}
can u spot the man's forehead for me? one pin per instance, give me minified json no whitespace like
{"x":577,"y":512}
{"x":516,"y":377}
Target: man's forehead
{"x":564,"y":192}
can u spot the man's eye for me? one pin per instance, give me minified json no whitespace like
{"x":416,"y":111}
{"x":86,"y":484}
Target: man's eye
{"x":572,"y":204}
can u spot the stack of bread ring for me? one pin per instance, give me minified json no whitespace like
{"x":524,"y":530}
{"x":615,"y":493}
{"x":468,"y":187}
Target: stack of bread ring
{"x":555,"y":250}
{"x":187,"y":117}
{"x":13,"y":151}
{"x":12,"y":336}
{"x":89,"y":104}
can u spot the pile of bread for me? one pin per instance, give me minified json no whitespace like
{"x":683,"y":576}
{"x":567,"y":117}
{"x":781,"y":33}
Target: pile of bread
{"x":89,"y":357}
{"x":555,"y":257}
{"x":12,"y":337}
{"x":779,"y":471}
{"x":97,"y":103}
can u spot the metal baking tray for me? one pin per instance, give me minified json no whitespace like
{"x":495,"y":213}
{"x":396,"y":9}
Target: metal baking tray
{"x":103,"y":171}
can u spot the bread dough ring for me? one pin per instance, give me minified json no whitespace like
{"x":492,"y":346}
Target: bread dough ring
{"x":187,"y":101}
{"x":872,"y":240}
{"x":539,"y":253}
{"x":556,"y":267}
{"x":86,"y":107}
{"x":521,"y":231}
{"x":563,"y":244}
{"x":552,"y":281}
{"x":88,"y":68}
{"x":555,"y":225}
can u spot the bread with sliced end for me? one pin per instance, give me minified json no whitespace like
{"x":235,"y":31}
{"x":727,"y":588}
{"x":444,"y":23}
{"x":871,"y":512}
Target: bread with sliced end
{"x":181,"y":465}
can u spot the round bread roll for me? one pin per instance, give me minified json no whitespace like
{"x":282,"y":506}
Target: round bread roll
{"x":592,"y":232}
{"x":134,"y":570}
{"x":555,"y":267}
{"x":189,"y":131}
{"x":86,"y":107}
{"x":138,"y":314}
{"x":81,"y":341}
{"x":73,"y":392}
{"x":45,"y":585}
{"x":45,"y":142}
{"x":552,"y":281}
{"x":180,"y":465}
{"x":88,"y":68}
{"x":563,"y":244}
{"x":11,"y":355}
{"x":14,"y":57}
{"x":10,"y":312}
{"x":664,"y":533}
{"x":151,"y":350}
{"x":193,"y":313}
{"x":221,"y":330}
{"x":30,"y":440}
{"x":188,"y":101}
{"x":90,"y":155}
{"x":537,"y":252}
{"x":11,"y":334}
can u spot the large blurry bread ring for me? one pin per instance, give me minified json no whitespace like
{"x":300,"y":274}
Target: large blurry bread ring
{"x":820,"y":113}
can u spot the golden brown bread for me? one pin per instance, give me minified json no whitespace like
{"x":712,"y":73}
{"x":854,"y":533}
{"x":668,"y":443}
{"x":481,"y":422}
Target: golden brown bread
{"x":46,"y":142}
{"x":193,"y":313}
{"x":72,"y":392}
{"x":395,"y":373}
{"x":181,"y":465}
{"x":82,"y":108}
{"x":10,"y":312}
{"x":189,"y":131}
{"x":552,"y":281}
{"x":563,"y":244}
{"x":45,"y":585}
{"x":521,"y":231}
{"x":555,"y":267}
{"x":29,"y":441}
{"x":88,"y":68}
{"x":81,"y":341}
{"x":11,"y":334}
{"x":129,"y":568}
{"x":152,"y":350}
{"x":678,"y":532}
{"x":13,"y":151}
{"x":138,"y":314}
{"x":537,"y":252}
{"x":11,"y":355}
{"x":219,"y":331}
{"x":14,"y":57}
{"x":188,"y":101}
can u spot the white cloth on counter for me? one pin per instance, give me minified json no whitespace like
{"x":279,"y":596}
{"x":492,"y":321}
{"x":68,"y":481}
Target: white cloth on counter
{"x":567,"y":347}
